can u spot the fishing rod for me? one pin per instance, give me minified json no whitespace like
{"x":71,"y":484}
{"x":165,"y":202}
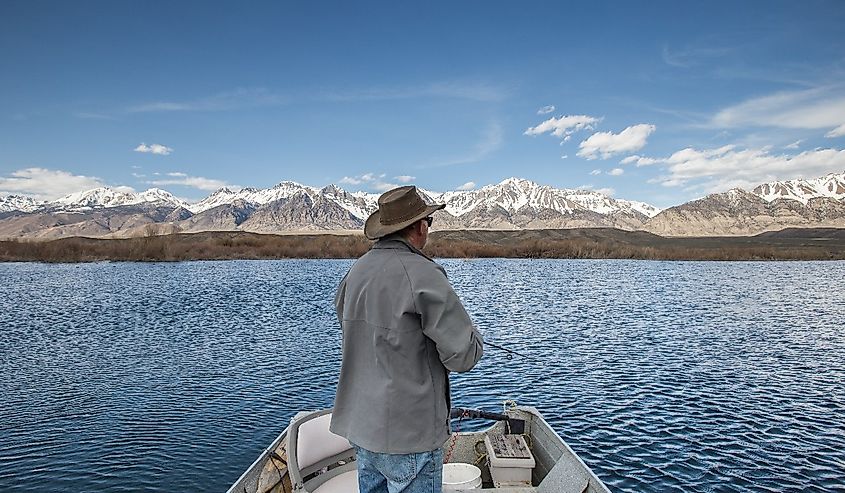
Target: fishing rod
{"x":510,"y":352}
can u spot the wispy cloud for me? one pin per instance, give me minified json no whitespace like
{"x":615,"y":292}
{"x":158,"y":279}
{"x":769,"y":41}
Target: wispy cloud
{"x":373,"y":181}
{"x":606,"y":144}
{"x":470,"y":185}
{"x":546,"y":109}
{"x":185,"y":180}
{"x":231,"y":100}
{"x":154,"y":149}
{"x":715,"y":170}
{"x":93,"y":116}
{"x":46,"y":184}
{"x":616,"y":172}
{"x":564,"y":126}
{"x":404,"y":178}
{"x":815,"y":108}
{"x":258,"y":97}
{"x":595,"y":172}
{"x":836,"y":132}
{"x":471,"y":90}
{"x":490,"y":142}
{"x":793,"y":145}
{"x":691,"y":56}
{"x":350,"y":180}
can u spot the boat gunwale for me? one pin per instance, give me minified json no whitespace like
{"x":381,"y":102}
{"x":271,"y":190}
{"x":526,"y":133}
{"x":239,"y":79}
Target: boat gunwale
{"x":258,"y":465}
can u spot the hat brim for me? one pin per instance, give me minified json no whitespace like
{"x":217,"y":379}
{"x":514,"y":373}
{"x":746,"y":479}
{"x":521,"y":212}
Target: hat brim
{"x":374,"y":229}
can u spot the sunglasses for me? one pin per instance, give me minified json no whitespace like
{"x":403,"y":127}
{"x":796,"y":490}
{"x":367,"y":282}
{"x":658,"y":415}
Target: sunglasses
{"x":429,"y":220}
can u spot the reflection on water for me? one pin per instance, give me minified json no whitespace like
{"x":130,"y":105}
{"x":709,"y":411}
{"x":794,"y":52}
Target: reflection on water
{"x":661,"y":375}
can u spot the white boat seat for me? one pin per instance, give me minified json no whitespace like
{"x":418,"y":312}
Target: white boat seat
{"x":319,"y":460}
{"x":343,"y":483}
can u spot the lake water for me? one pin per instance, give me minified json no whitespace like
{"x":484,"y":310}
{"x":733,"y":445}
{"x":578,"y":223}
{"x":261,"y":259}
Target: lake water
{"x":663,"y":376}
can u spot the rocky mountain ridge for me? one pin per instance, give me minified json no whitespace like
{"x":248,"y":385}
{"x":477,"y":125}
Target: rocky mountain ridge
{"x":512,"y":204}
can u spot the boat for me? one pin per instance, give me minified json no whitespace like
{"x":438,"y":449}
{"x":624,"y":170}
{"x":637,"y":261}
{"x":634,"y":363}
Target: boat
{"x":307,"y":457}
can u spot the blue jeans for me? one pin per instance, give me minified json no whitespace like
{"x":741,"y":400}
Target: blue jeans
{"x":399,"y":473}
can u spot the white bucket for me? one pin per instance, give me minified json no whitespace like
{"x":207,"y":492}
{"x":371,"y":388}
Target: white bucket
{"x":458,"y":476}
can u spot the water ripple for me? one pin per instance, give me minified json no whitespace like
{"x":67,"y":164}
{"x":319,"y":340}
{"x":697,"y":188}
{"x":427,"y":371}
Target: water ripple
{"x":663,"y":376}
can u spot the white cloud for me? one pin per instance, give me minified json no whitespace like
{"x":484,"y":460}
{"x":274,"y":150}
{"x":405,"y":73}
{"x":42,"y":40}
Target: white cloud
{"x":375,"y":181}
{"x":640,"y":160}
{"x":565,"y":156}
{"x":836,"y":132}
{"x":46,"y":184}
{"x":470,"y":185}
{"x":616,"y":172}
{"x":564,"y":126}
{"x":383,"y":186}
{"x":606,"y":144}
{"x":139,"y":175}
{"x":714,"y":170}
{"x":811,"y":108}
{"x":546,"y":109}
{"x":595,"y":172}
{"x":154,"y":149}
{"x":793,"y":145}
{"x":198,"y":182}
{"x":405,"y":178}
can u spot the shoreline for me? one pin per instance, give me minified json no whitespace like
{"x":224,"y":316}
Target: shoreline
{"x":586,"y":243}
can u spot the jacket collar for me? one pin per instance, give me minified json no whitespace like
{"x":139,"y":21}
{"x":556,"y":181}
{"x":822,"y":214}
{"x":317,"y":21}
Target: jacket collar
{"x":397,"y":242}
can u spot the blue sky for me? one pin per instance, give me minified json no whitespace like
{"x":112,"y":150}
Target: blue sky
{"x":656,"y":101}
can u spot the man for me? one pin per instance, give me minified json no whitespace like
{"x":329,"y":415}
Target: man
{"x":404,"y":330}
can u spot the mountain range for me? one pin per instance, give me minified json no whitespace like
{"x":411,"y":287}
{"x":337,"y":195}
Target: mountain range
{"x":509,"y":205}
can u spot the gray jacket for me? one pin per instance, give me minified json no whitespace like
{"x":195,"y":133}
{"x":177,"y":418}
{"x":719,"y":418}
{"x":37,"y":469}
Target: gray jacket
{"x":404,"y":329}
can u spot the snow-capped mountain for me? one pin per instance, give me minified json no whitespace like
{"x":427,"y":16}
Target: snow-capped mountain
{"x":105,"y":197}
{"x":738,"y":212}
{"x":832,"y":185}
{"x":512,"y":204}
{"x":255,"y":196}
{"x":515,"y":194}
{"x":18,"y":203}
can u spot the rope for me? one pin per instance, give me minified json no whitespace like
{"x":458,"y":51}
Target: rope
{"x":454,"y":438}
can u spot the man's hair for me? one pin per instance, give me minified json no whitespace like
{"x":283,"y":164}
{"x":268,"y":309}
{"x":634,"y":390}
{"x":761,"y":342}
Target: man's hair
{"x":406,"y":231}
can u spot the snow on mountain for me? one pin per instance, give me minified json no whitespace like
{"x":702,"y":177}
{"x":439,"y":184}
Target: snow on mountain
{"x":18,"y":203}
{"x":283,"y":190}
{"x":105,"y":197}
{"x":514,"y":194}
{"x":832,"y":185}
{"x":641,"y":207}
{"x":360,"y":205}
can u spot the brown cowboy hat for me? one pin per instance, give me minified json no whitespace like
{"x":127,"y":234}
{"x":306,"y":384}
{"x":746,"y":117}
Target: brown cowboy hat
{"x":397,"y":209}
